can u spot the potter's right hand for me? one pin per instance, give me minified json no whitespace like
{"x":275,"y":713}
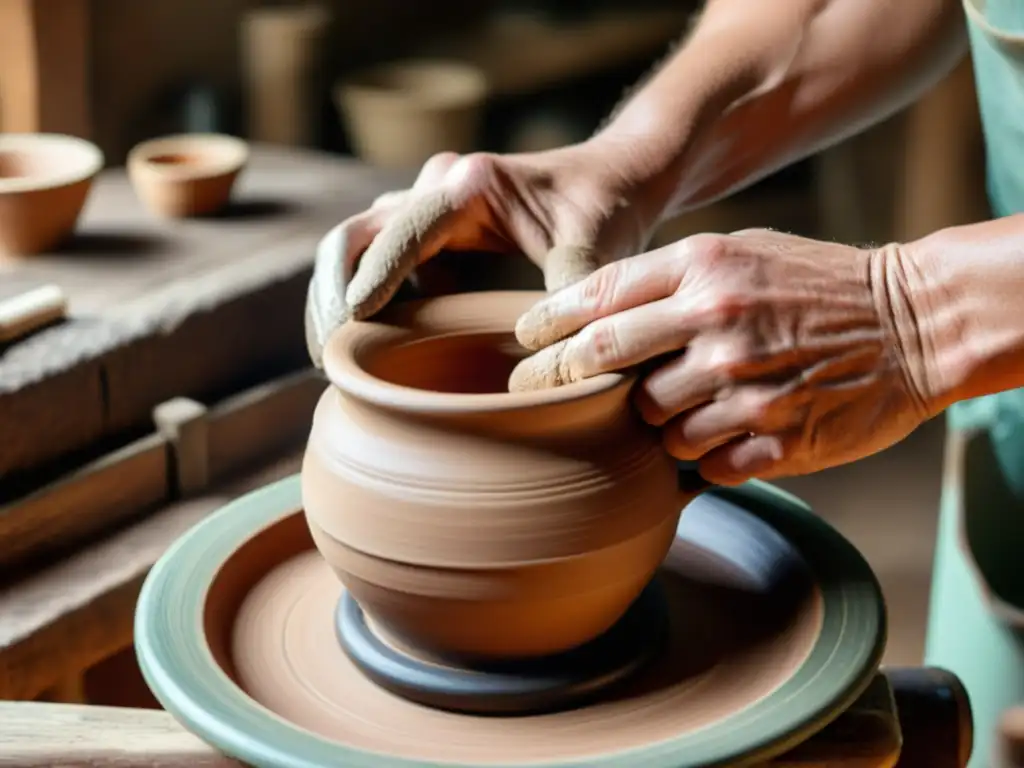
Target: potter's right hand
{"x":566,"y":210}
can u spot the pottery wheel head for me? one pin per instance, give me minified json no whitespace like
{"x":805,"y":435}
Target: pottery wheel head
{"x":776,"y":624}
{"x":529,"y":686}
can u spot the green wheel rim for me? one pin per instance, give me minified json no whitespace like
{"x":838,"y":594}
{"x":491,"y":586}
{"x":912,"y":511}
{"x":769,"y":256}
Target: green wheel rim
{"x":182,"y":673}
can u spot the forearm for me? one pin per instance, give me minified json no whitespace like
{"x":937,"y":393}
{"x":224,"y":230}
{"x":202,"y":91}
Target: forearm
{"x":968,"y":300}
{"x":760,"y":85}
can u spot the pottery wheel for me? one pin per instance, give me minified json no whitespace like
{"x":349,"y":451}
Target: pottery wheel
{"x":516,"y":687}
{"x":776,"y":624}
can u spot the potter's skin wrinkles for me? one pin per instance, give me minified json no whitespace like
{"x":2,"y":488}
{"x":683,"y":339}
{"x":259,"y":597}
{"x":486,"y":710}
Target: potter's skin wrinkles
{"x":799,"y":355}
{"x":777,"y":355}
{"x":819,"y":353}
{"x":774,"y":354}
{"x":561,"y":209}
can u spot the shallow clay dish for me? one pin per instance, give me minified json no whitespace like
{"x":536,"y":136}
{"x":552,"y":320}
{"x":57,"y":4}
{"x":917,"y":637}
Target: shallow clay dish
{"x":44,"y":182}
{"x":777,"y":625}
{"x":187,"y":175}
{"x":470,"y":522}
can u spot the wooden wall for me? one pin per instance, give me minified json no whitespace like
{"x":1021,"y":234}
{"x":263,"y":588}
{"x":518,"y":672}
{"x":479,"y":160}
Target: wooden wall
{"x":100,"y":68}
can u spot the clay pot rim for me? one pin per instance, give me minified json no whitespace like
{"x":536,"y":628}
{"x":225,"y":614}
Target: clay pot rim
{"x":465,"y":84}
{"x":346,"y":346}
{"x":222,"y":155}
{"x":89,"y":161}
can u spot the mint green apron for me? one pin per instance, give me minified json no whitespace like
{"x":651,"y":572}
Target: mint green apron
{"x":976,"y":617}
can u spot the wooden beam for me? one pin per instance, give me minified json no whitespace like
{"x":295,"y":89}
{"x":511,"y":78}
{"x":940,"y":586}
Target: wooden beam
{"x":44,"y":67}
{"x":60,"y":736}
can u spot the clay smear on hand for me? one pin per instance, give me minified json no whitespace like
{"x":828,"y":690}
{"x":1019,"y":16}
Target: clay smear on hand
{"x":563,"y":266}
{"x":542,"y":370}
{"x":411,"y":236}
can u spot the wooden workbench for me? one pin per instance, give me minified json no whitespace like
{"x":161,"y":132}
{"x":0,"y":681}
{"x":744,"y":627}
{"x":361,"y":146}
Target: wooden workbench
{"x":161,"y":309}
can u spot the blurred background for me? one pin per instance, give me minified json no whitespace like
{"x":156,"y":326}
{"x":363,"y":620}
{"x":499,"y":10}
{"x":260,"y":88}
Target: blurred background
{"x":392,"y":82}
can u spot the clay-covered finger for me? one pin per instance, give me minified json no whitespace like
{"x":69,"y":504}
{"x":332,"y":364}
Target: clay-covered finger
{"x":613,"y":288}
{"x":414,"y":233}
{"x":627,"y":339}
{"x":568,"y":264}
{"x":336,"y":256}
{"x":542,"y":370}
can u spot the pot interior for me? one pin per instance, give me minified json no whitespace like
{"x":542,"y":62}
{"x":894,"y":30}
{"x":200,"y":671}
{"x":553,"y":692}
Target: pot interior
{"x":460,"y":363}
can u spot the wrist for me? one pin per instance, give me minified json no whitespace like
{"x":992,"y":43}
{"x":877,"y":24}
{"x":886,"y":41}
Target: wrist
{"x":965,"y":301}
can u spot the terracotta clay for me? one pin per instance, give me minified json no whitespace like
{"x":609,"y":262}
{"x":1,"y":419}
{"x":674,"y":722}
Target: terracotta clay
{"x":286,"y":657}
{"x":187,"y":175}
{"x":44,"y":182}
{"x":470,"y":521}
{"x":776,"y":626}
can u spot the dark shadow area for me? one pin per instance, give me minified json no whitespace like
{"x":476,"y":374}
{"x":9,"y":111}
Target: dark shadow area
{"x":113,"y":244}
{"x":717,"y":621}
{"x":247,"y":210}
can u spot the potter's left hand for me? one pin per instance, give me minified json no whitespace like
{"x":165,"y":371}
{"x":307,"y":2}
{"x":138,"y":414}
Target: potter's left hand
{"x":769,"y":354}
{"x":565,"y":210}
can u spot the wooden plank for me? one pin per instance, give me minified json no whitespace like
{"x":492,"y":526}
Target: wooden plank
{"x":160,"y":310}
{"x":88,"y":500}
{"x":105,"y":737}
{"x":49,"y":411}
{"x":209,"y":444}
{"x":183,"y":422}
{"x":222,"y":349}
{"x":262,"y":421}
{"x":194,"y":446}
{"x":66,"y":736}
{"x":66,"y":618}
{"x":865,"y":736}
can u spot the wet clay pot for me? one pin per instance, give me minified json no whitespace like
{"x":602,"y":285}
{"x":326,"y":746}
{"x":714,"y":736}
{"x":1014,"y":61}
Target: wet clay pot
{"x":44,"y":182}
{"x":470,"y":522}
{"x":187,"y":175}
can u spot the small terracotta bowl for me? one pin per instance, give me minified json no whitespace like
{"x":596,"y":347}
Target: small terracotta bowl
{"x":187,"y":175}
{"x":44,"y":182}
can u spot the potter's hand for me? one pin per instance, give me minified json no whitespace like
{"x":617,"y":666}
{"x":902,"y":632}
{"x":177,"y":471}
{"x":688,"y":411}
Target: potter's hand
{"x":563,"y":209}
{"x":770,"y":354}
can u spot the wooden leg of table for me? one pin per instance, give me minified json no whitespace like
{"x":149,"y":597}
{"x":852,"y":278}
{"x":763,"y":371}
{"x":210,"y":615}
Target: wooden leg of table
{"x":935,"y":718}
{"x":183,"y":422}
